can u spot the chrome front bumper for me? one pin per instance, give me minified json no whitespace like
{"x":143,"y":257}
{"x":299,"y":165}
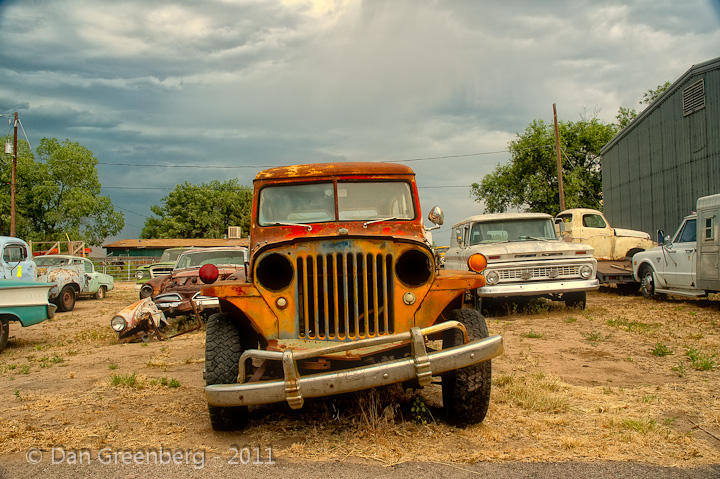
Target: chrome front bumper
{"x":538,"y":288}
{"x":421,"y":366}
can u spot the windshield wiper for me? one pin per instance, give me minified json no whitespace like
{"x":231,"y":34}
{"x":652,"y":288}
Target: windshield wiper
{"x":379,"y":220}
{"x":533,"y":238}
{"x":280,"y":223}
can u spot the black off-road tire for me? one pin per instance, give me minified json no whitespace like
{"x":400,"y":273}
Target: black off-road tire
{"x":65,"y":301}
{"x":223,"y":348}
{"x":576,"y":299}
{"x":101,"y":292}
{"x":4,"y":333}
{"x":466,"y":391}
{"x":146,"y":291}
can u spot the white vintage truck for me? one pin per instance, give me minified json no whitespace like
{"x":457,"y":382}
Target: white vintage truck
{"x":689,"y":264}
{"x":524,"y":257}
{"x":614,"y":247}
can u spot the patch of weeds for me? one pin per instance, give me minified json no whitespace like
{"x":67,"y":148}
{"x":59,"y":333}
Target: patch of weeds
{"x":127,"y":381}
{"x":174,"y":383}
{"x":25,"y":369}
{"x":420,"y":413}
{"x":643,"y":426}
{"x":693,"y":313}
{"x":537,"y":306}
{"x":594,"y":337}
{"x":650,"y":398}
{"x":534,"y":392}
{"x":113,"y":366}
{"x":532,"y":335}
{"x":570,"y":320}
{"x":661,"y":350}
{"x":144,"y":345}
{"x":700,"y":361}
{"x":697,"y":336}
{"x":11,"y":366}
{"x":71,"y":352}
{"x":633,"y":326}
{"x":607,"y":390}
{"x":165,"y":382}
{"x":17,"y":395}
{"x":679,"y":369}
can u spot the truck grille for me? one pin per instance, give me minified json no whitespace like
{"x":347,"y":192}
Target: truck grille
{"x":540,"y":272}
{"x":160,"y":271}
{"x":345,"y":295}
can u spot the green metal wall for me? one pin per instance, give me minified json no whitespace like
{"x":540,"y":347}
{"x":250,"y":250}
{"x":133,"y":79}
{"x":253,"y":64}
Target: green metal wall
{"x":146,"y":252}
{"x":654,"y":171}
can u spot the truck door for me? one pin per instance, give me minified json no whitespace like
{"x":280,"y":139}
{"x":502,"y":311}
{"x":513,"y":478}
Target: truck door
{"x":593,"y":230}
{"x":681,"y":257}
{"x":708,"y":260}
{"x":455,"y":254}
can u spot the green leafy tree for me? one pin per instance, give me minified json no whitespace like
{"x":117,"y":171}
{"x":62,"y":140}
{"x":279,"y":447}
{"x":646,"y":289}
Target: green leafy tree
{"x":530,"y":182}
{"x":57,"y":194}
{"x":201,"y":211}
{"x":625,"y":115}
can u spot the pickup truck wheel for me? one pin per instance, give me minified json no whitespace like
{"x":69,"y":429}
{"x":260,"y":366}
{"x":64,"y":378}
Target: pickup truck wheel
{"x":647,"y":282}
{"x":146,"y":291}
{"x":575,"y":300}
{"x":65,"y":301}
{"x":4,"y":333}
{"x":101,"y":292}
{"x":466,"y":391}
{"x":223,"y":348}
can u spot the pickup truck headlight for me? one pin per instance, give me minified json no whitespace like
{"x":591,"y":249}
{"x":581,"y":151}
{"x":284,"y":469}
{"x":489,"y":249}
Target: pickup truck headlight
{"x":118,"y":323}
{"x":586,"y":271}
{"x":139,"y":275}
{"x":492,"y":277}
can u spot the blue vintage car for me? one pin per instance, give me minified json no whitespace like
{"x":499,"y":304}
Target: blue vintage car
{"x":25,"y":302}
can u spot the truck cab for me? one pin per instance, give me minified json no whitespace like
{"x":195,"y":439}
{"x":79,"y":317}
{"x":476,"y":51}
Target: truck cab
{"x":15,"y":260}
{"x":342,"y":293}
{"x":688,"y":264}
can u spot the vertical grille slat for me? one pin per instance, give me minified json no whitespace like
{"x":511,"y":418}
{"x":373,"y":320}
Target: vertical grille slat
{"x":345,"y":296}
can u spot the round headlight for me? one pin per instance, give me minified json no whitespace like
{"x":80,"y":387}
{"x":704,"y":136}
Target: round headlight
{"x":492,"y":277}
{"x":118,"y":323}
{"x":586,"y":271}
{"x":139,"y":275}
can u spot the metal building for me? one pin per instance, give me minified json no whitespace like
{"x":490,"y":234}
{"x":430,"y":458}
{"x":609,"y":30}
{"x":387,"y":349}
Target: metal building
{"x":655,"y":169}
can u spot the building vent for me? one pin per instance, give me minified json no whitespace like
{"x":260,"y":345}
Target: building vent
{"x":234,"y":232}
{"x":693,"y":97}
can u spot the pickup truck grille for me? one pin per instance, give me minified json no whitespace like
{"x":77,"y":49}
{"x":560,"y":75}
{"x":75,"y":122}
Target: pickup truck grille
{"x":345,"y":295}
{"x":539,"y":272}
{"x":160,"y":271}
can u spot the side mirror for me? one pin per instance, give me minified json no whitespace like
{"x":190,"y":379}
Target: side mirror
{"x":561,"y":226}
{"x":436,"y":216}
{"x":661,"y":237}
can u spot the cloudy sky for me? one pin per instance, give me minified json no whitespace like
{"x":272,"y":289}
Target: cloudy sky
{"x":221,"y":89}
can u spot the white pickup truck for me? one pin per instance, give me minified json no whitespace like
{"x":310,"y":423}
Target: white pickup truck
{"x":689,"y":265}
{"x":524,"y":257}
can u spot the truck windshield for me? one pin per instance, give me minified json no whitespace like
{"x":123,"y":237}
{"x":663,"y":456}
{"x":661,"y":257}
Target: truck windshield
{"x":50,"y":261}
{"x":190,"y":260}
{"x":315,"y":203}
{"x":512,"y":230}
{"x":171,"y":254}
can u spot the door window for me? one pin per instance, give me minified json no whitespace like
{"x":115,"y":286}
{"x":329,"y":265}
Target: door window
{"x":88,"y":266}
{"x":688,"y":233}
{"x":14,"y":253}
{"x":593,"y":221}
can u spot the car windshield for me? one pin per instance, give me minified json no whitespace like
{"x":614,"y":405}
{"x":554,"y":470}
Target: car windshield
{"x":50,"y":261}
{"x":221,"y":257}
{"x":512,"y":230}
{"x":171,"y":255}
{"x":315,"y":202}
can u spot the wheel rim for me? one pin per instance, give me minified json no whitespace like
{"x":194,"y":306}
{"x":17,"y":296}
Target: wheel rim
{"x":67,"y":298}
{"x":647,"y":283}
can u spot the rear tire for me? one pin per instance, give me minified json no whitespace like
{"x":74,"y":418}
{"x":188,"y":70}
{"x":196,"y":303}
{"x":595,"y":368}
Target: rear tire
{"x":223,"y":348}
{"x":575,"y":300}
{"x":101,"y":292}
{"x":4,"y":333}
{"x":66,"y":299}
{"x":466,"y":391}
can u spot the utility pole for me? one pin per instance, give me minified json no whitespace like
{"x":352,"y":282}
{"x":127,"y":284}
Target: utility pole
{"x":12,"y":178}
{"x":559,"y":160}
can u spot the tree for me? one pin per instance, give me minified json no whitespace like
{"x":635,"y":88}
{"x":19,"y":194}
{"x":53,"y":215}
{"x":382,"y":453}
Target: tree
{"x":625,"y":115}
{"x":200,"y":211}
{"x":57,"y":195}
{"x":530,"y":182}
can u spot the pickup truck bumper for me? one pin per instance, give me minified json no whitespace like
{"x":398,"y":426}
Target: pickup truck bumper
{"x":421,"y":365}
{"x":538,"y":288}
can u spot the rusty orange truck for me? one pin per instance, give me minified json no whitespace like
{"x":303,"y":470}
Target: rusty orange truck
{"x":343,"y":294}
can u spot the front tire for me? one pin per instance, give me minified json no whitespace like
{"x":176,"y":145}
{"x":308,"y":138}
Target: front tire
{"x":101,"y":292}
{"x":466,"y":391}
{"x":647,"y":282}
{"x":66,"y":299}
{"x":575,"y":300}
{"x":223,"y":348}
{"x":4,"y":333}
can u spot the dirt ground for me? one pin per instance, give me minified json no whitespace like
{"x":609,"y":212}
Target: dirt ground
{"x":625,"y":379}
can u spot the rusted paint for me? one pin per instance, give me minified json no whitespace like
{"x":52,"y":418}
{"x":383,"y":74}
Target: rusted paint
{"x":61,"y":276}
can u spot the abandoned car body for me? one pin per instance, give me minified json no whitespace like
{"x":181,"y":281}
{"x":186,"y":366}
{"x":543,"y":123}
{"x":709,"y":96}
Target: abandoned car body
{"x":179,"y":293}
{"x":72,"y":277}
{"x":342,"y":294}
{"x":161,"y":268}
{"x":524,"y":258}
{"x":25,"y":302}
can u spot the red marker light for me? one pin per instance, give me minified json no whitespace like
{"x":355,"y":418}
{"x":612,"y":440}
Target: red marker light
{"x":209,"y":273}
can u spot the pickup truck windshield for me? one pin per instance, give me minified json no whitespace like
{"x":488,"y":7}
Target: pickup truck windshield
{"x":50,"y":261}
{"x":512,"y":230}
{"x":190,"y":260}
{"x":315,"y":203}
{"x":171,"y":255}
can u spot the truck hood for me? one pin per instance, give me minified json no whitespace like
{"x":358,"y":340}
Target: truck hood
{"x":631,"y":233}
{"x":531,"y":250}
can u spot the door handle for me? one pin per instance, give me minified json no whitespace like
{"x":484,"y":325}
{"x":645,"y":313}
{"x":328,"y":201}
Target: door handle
{"x":689,"y":250}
